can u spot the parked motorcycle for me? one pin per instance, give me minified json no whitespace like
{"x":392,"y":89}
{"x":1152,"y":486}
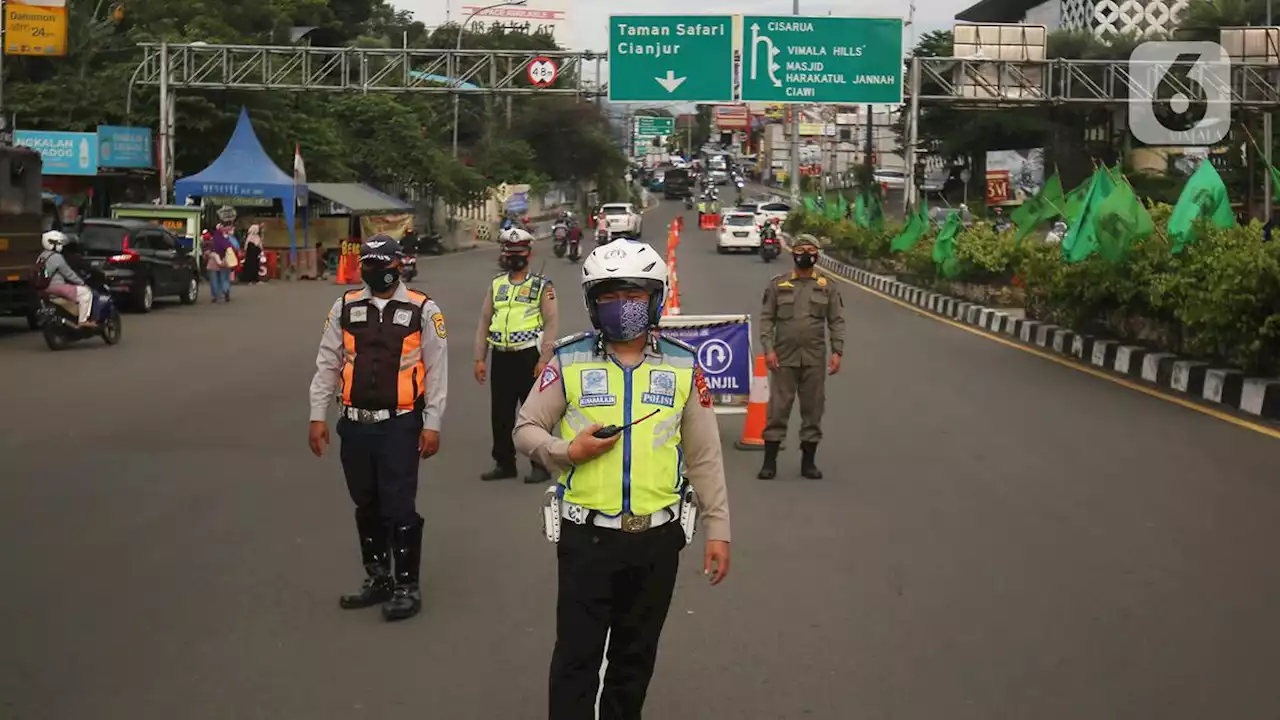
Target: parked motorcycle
{"x":59,"y":319}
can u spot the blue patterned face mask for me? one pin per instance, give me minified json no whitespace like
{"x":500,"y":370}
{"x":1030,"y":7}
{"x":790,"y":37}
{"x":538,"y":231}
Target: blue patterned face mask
{"x":623,"y":320}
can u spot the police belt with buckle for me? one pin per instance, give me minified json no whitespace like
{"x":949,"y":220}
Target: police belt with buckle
{"x":367,"y":417}
{"x":626,"y":522}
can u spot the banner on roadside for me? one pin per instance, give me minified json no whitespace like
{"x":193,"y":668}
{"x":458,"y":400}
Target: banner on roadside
{"x":723,"y":344}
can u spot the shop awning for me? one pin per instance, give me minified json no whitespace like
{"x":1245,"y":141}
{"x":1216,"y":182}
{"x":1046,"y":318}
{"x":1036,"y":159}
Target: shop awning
{"x":359,"y":199}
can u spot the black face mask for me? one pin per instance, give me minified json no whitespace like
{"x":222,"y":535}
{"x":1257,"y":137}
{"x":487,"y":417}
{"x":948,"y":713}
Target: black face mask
{"x":804,"y":261}
{"x":378,"y":279}
{"x":515,"y":263}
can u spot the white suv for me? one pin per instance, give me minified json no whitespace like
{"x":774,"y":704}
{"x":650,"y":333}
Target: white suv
{"x":623,"y":219}
{"x":738,"y":231}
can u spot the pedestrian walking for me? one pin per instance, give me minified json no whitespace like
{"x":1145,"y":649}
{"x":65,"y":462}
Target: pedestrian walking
{"x":383,"y":353}
{"x":518,"y":321}
{"x":624,"y":416}
{"x":252,"y":255}
{"x":220,"y":260}
{"x":802,"y":313}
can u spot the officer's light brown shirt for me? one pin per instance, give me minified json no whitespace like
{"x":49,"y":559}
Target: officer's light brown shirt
{"x":550,"y":322}
{"x":797,"y":317}
{"x":540,"y":416}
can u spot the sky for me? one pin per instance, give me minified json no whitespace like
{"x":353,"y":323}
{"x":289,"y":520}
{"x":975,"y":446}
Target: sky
{"x":589,"y":18}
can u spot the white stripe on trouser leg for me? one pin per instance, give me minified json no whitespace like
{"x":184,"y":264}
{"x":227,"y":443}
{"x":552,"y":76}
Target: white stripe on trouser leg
{"x":604,"y":666}
{"x":759,"y":389}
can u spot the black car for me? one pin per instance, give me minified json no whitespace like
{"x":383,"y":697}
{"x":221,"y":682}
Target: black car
{"x":141,"y":261}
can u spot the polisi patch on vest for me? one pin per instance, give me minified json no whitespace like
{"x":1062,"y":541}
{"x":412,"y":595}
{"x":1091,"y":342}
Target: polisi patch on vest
{"x":662,"y":389}
{"x":402,"y":318}
{"x":359,"y":314}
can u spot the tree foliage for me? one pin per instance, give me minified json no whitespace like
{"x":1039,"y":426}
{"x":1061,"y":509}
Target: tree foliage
{"x":383,"y":139}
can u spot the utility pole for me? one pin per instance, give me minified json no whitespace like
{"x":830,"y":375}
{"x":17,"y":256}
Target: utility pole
{"x":1266,"y":129}
{"x":164,"y":124}
{"x":871,"y":166}
{"x":794,"y":174}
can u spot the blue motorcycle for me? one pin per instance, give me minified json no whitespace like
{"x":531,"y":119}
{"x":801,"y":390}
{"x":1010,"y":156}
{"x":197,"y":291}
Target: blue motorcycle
{"x":58,"y":319}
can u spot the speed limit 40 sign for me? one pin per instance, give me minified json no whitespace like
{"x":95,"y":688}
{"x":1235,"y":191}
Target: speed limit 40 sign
{"x":543,"y":71}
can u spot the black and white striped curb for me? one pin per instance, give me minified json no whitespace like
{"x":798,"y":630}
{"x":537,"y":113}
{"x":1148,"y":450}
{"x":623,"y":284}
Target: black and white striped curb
{"x":1225,"y":386}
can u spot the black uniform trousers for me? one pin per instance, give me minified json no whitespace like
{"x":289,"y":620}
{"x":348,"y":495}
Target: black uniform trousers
{"x":380,"y":461}
{"x":510,"y":380}
{"x":615,"y":583}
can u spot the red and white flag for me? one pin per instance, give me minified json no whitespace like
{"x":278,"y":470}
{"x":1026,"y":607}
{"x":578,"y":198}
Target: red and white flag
{"x":299,"y":175}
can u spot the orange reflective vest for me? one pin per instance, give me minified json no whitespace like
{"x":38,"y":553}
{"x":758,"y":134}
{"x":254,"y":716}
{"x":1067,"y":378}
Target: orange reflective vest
{"x":384,"y":368}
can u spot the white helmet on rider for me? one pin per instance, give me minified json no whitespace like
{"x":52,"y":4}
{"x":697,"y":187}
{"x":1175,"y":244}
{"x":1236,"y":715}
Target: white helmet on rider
{"x":618,"y":267}
{"x":54,"y":240}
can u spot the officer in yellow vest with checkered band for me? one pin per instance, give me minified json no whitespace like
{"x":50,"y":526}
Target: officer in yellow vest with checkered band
{"x":624,"y":416}
{"x":519,"y":322}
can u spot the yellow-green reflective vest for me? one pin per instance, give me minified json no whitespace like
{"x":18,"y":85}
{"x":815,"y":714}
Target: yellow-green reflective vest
{"x":641,"y":474}
{"x":517,"y":312}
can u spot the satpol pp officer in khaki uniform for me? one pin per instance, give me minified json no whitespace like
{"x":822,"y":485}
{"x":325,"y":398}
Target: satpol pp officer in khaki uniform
{"x":802,"y":311}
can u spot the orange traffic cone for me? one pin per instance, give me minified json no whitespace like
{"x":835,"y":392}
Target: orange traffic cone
{"x":673,"y":290}
{"x":757,"y":409}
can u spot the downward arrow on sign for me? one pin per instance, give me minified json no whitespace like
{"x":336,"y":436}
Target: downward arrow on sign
{"x":671,"y":82}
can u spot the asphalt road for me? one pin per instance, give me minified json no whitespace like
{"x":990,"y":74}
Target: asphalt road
{"x":997,"y":537}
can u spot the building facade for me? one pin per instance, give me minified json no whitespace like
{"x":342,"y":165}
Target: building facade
{"x":1103,"y":18}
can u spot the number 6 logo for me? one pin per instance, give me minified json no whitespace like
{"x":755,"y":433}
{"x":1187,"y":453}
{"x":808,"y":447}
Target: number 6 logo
{"x":542,"y":71}
{"x":1185,"y":76}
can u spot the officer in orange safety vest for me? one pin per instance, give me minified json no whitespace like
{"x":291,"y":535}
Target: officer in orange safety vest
{"x":383,"y":354}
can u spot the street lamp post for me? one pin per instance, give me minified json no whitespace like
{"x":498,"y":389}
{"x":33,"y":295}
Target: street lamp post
{"x":457,"y":80}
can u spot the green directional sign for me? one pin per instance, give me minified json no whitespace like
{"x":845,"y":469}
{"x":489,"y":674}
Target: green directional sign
{"x":647,"y":126}
{"x":789,"y":59}
{"x":671,"y":58}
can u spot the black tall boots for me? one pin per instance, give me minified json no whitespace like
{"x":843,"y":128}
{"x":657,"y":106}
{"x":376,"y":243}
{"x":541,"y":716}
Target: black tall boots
{"x":769,"y":468}
{"x":375,"y":553}
{"x":406,"y":549}
{"x":808,"y":468}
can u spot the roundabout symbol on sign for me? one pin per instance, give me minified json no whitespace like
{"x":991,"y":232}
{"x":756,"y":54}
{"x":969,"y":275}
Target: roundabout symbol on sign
{"x":542,"y":71}
{"x":715,"y":356}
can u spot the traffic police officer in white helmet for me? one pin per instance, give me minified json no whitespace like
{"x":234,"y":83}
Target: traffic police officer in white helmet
{"x":623,"y":416}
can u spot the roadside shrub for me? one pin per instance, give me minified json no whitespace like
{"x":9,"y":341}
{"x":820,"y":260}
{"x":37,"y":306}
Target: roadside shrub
{"x":1219,"y":298}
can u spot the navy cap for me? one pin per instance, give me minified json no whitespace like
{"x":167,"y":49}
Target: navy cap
{"x":380,"y":248}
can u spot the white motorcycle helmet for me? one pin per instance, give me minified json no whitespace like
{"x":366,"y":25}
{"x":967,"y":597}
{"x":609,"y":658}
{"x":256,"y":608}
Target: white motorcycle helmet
{"x":54,"y":240}
{"x":517,"y":236}
{"x":625,"y":264}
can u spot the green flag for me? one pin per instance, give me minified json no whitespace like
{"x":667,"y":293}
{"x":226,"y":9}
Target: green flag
{"x":944,"y":246}
{"x":1043,"y":206}
{"x":915,"y":229}
{"x":875,"y":211}
{"x":1205,"y":196}
{"x":1075,"y":199}
{"x":1122,"y":221}
{"x":1081,"y":240}
{"x":1275,"y":184}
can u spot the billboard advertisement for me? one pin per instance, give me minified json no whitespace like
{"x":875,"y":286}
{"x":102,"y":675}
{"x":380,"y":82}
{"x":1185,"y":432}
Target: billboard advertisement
{"x":63,"y":153}
{"x":732,"y":117}
{"x":1014,"y":175}
{"x":538,"y":16}
{"x":35,"y":27}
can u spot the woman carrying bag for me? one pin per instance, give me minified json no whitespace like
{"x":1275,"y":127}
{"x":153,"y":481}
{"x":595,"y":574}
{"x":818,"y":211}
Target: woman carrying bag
{"x":220,"y":261}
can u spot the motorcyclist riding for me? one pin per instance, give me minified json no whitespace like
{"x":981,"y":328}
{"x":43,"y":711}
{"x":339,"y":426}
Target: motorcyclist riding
{"x":57,"y":277}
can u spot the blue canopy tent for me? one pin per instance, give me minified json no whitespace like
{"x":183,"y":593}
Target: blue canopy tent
{"x":244,"y":170}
